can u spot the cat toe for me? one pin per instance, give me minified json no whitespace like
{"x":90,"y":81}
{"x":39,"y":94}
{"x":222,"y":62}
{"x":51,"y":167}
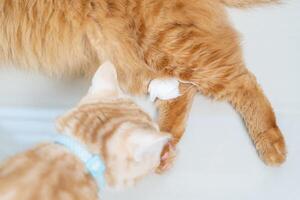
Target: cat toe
{"x":271,"y":147}
{"x":167,"y":159}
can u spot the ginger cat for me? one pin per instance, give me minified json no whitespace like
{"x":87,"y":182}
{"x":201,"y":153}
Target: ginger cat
{"x":109,"y":125}
{"x":192,"y":41}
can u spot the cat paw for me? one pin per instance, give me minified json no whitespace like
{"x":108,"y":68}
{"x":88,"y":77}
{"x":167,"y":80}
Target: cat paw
{"x":167,"y":158}
{"x":271,"y":147}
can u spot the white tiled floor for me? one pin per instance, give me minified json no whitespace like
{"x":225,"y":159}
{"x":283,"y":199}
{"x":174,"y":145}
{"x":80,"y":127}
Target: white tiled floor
{"x":216,"y":158}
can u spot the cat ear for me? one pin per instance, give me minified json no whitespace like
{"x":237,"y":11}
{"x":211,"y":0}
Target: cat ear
{"x":147,"y":144}
{"x":105,"y":80}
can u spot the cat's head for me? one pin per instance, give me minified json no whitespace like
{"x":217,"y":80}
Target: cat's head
{"x":131,"y":153}
{"x":132,"y":149}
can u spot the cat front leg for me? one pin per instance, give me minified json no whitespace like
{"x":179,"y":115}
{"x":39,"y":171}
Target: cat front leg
{"x":173,"y":115}
{"x":249,"y":100}
{"x":241,"y":90}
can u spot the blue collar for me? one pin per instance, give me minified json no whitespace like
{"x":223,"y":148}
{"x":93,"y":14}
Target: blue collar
{"x":93,"y":162}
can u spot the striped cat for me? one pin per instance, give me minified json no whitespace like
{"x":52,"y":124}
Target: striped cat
{"x":190,"y":40}
{"x":109,"y":125}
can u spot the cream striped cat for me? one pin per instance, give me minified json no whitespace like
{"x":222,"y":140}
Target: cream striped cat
{"x":110,"y":125}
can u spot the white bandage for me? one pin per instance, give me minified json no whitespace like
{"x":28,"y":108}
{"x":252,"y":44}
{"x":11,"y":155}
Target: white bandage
{"x":164,"y":89}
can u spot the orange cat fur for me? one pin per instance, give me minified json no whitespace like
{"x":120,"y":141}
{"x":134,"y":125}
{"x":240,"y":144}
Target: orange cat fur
{"x":146,"y":39}
{"x":111,"y":126}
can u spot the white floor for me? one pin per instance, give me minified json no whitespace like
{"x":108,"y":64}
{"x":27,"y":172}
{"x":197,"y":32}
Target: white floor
{"x":216,"y":158}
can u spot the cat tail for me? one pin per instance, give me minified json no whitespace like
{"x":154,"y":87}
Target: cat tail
{"x":248,"y":3}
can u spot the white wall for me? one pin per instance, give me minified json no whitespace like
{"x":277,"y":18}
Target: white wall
{"x":29,"y":89}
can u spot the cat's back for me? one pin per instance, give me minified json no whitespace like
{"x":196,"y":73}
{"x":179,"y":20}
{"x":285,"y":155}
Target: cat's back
{"x":49,"y":36}
{"x":98,"y":121}
{"x":48,"y":171}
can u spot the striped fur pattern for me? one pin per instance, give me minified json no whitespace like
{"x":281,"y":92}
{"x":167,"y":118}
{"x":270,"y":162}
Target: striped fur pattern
{"x":48,"y":172}
{"x":146,"y":39}
{"x":109,"y":125}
